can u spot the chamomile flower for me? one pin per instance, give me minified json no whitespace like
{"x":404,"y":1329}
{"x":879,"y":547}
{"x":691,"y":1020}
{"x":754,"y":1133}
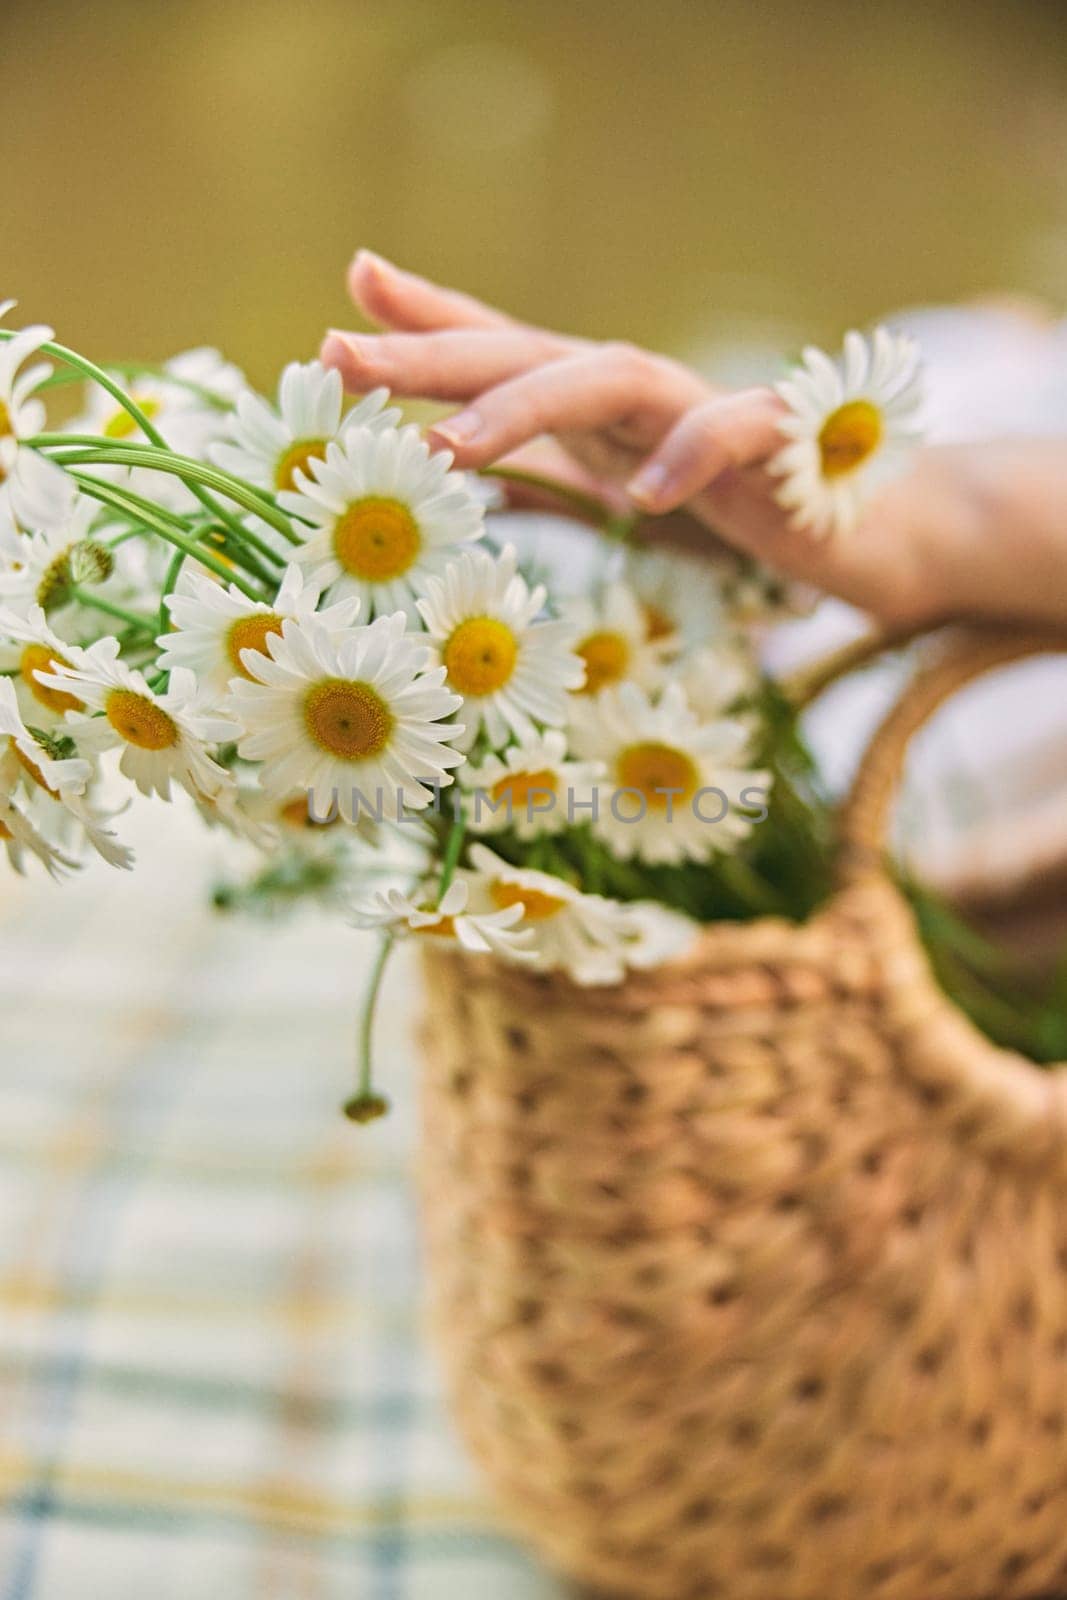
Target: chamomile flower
{"x":22,"y":755}
{"x":268,"y":445}
{"x":719,"y":677}
{"x":29,"y":646}
{"x":33,"y":490}
{"x":387,"y":516}
{"x":512,"y":671}
{"x":681,"y":599}
{"x":616,"y":637}
{"x":39,"y":763}
{"x":851,"y":425}
{"x":207,"y":374}
{"x":216,"y":624}
{"x":486,"y":932}
{"x":589,"y":938}
{"x":676,"y":785}
{"x":52,"y":561}
{"x":19,"y":836}
{"x":164,"y":738}
{"x":359,"y":716}
{"x":527,"y":789}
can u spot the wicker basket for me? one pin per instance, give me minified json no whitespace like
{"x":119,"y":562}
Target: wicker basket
{"x":751,"y":1275}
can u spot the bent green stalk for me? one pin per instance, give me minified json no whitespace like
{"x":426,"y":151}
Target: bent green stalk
{"x":82,"y":364}
{"x":162,"y":459}
{"x":110,"y":495}
{"x":365,"y":1105}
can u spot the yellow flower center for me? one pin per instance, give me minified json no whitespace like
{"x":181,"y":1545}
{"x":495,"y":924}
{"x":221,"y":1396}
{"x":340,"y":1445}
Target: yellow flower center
{"x":140,"y":721}
{"x":38,"y":658}
{"x":122,"y":426}
{"x":376,"y":539}
{"x":5,"y":420}
{"x":517,"y":787}
{"x":537,"y":906}
{"x":297,"y":459}
{"x":652,"y":766}
{"x":348,"y":720}
{"x":606,"y":656}
{"x":658,"y":624}
{"x":5,"y":831}
{"x":480,"y":656}
{"x":251,"y":633}
{"x":849,"y":436}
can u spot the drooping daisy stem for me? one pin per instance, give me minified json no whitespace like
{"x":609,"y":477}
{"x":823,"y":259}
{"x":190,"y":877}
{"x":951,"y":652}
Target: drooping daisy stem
{"x":120,"y":500}
{"x":194,"y":474}
{"x":590,"y":509}
{"x":71,"y":358}
{"x":365,"y":1105}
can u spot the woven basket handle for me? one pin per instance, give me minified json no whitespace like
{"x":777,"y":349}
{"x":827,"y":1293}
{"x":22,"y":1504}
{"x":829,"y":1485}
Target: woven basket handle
{"x":865,"y":813}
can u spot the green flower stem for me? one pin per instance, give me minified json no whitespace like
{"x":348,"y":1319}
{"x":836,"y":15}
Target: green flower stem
{"x":457,"y":833}
{"x":365,"y":1105}
{"x":96,"y":442}
{"x":71,"y":358}
{"x":161,"y":459}
{"x":110,"y":495}
{"x":591,"y":509}
{"x":85,"y":597}
{"x":169,"y":581}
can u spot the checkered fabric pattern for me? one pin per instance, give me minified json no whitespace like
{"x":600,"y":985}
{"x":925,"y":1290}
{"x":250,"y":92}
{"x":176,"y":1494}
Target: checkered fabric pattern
{"x":213,"y":1384}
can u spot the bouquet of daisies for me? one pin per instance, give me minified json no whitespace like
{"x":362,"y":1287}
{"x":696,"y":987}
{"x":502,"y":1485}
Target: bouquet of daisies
{"x":351,"y":659}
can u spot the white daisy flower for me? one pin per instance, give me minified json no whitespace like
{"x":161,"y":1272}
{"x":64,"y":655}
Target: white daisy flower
{"x":851,"y":426}
{"x":387,"y":516}
{"x":216,"y":625}
{"x":18,"y":835}
{"x":22,"y":756}
{"x":681,"y":598}
{"x":527,"y":787}
{"x":29,"y":645}
{"x":589,"y":938}
{"x":35,"y":762}
{"x":207,"y":373}
{"x":719,"y":677}
{"x":50,"y":561}
{"x":675,"y":784}
{"x":615,"y":638}
{"x":512,"y":672}
{"x":488,"y":932}
{"x":164,"y":738}
{"x":268,"y":445}
{"x":356,"y":719}
{"x":34,"y":492}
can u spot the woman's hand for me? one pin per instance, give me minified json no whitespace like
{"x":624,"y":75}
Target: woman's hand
{"x":645,"y":430}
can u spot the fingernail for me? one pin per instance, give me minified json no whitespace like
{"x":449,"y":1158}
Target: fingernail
{"x":368,"y":258}
{"x":649,"y":485}
{"x":460,"y":429}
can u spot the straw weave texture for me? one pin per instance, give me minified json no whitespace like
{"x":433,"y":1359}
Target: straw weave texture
{"x":751,"y":1275}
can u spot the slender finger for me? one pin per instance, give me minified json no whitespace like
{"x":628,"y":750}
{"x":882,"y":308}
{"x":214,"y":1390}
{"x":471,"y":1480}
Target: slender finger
{"x":454,"y":365}
{"x":738,"y":430}
{"x":610,"y":385}
{"x":398,"y":299}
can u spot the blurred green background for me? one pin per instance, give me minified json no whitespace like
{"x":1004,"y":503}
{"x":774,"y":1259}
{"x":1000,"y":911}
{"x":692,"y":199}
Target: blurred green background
{"x":682,"y":174}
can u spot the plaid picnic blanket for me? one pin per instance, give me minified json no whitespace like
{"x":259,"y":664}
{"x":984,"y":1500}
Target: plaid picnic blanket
{"x":212,"y":1380}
